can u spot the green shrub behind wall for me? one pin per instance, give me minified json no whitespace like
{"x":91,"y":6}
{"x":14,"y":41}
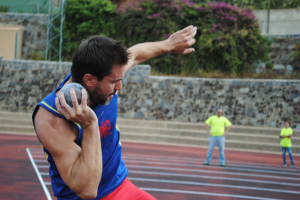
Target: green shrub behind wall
{"x":228,"y":37}
{"x":85,"y":18}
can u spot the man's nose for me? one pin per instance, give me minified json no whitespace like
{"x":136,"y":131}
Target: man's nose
{"x":118,"y":85}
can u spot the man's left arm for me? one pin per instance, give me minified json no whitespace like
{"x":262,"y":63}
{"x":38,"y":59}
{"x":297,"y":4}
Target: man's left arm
{"x":178,"y":43}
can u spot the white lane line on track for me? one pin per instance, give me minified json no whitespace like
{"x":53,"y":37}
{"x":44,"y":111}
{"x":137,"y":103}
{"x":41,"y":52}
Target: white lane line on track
{"x":39,"y":156}
{"x":197,"y":176}
{"x":39,"y":176}
{"x":202,"y":161}
{"x":212,"y":185}
{"x":42,"y":161}
{"x":205,"y":193}
{"x":211,"y":177}
{"x":202,"y":166}
{"x":212,"y":172}
{"x":195,"y":159}
{"x":42,"y":166}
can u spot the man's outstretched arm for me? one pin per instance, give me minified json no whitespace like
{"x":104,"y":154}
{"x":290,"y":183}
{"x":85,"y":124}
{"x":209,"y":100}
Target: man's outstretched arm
{"x":178,"y":43}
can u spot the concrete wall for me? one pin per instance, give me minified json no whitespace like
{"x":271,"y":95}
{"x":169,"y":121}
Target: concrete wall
{"x":282,"y":22}
{"x":245,"y":101}
{"x":34,"y":32}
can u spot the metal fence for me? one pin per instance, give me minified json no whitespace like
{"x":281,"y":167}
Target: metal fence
{"x":25,"y":6}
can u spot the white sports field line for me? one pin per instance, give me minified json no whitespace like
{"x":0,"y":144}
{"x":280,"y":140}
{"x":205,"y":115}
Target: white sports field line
{"x":39,"y":175}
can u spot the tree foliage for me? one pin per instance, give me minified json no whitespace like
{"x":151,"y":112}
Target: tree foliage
{"x":86,"y":18}
{"x":228,"y":37}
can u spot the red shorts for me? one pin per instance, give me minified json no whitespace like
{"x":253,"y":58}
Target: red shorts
{"x":128,"y":191}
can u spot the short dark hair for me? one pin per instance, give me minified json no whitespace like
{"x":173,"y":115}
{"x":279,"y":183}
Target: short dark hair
{"x":287,"y":122}
{"x":97,"y":55}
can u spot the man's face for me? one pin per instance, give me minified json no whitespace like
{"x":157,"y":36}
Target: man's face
{"x":219,"y":112}
{"x":108,"y":86}
{"x":286,"y":124}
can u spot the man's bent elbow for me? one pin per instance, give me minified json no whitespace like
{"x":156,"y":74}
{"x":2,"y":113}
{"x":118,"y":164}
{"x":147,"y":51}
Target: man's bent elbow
{"x":88,"y":194}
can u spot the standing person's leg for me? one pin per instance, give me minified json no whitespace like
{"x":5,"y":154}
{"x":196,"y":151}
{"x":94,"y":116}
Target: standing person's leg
{"x":283,"y":156}
{"x":211,"y":145}
{"x":291,"y":156}
{"x":221,"y":145}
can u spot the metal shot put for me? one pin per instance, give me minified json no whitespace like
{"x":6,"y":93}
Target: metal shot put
{"x":78,"y":92}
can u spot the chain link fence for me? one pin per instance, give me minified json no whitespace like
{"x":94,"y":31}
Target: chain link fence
{"x":24,"y":6}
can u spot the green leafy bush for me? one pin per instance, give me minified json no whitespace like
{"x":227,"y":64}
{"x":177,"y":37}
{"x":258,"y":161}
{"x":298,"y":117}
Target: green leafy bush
{"x":86,"y":18}
{"x":228,"y":38}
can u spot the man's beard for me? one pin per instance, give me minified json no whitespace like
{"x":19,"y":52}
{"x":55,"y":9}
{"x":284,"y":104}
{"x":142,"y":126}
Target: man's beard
{"x":100,"y":99}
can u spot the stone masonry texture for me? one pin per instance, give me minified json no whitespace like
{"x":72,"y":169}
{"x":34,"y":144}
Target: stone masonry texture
{"x":252,"y":102}
{"x":34,"y":32}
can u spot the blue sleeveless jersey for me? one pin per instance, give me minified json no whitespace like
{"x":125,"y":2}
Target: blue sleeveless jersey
{"x":114,"y":170}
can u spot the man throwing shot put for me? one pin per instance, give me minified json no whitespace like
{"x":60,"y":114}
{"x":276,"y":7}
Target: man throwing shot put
{"x":217,"y":135}
{"x":82,"y":143}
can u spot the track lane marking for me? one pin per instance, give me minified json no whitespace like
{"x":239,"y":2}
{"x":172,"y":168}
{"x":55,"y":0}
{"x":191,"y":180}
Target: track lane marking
{"x":202,"y":161}
{"x":213,"y":185}
{"x":214,"y":167}
{"x":210,"y":177}
{"x":213,"y":172}
{"x":38,"y":174}
{"x":205,"y":193}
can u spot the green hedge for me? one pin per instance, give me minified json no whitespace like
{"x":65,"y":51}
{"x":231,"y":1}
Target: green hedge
{"x":228,"y":37}
{"x":86,"y":18}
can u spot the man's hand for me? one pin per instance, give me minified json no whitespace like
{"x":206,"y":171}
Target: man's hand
{"x":81,"y":114}
{"x":182,"y":40}
{"x":178,"y":43}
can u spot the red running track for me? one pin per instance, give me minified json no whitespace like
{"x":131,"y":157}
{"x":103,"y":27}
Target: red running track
{"x":165,"y":171}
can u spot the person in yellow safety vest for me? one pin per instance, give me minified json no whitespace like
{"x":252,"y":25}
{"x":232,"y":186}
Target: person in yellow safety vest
{"x":286,"y":144}
{"x":217,"y":135}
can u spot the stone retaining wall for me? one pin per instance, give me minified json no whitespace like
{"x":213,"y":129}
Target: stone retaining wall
{"x":34,"y":32}
{"x":244,"y":101}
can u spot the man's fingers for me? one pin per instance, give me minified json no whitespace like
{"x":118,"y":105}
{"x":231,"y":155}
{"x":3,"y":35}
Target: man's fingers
{"x":185,"y":30}
{"x":74,"y":100}
{"x":189,"y":50}
{"x":191,"y":41}
{"x":59,"y":107}
{"x":83,"y":97}
{"x":192,"y":32}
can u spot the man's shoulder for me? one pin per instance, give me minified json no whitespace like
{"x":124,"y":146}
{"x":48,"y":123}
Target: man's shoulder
{"x":47,"y":123}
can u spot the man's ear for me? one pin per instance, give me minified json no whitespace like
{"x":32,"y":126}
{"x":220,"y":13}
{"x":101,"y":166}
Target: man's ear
{"x":89,"y":80}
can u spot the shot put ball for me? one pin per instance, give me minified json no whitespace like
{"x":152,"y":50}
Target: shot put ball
{"x":78,"y":91}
